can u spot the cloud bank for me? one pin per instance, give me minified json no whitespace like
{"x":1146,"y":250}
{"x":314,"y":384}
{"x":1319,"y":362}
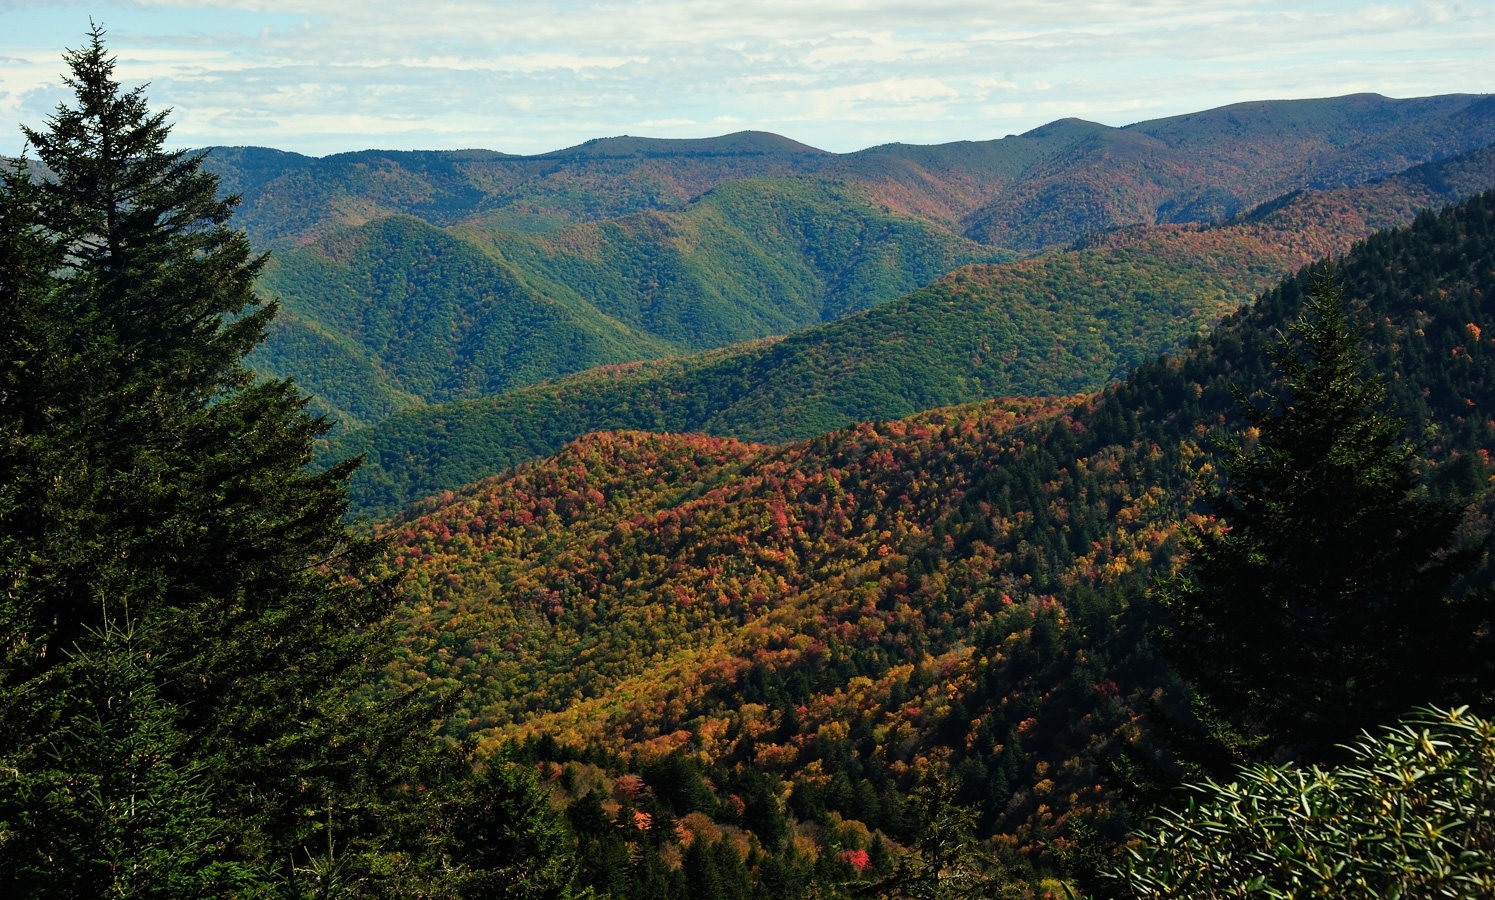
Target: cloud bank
{"x":525,"y":76}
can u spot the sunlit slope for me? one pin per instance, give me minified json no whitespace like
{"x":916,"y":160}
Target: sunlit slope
{"x":1063,"y":323}
{"x":749,"y":259}
{"x":969,"y":584}
{"x":291,"y":200}
{"x":397,"y":310}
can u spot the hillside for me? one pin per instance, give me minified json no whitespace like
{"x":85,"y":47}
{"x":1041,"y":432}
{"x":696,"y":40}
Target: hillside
{"x":967,"y":585}
{"x":397,"y":311}
{"x":748,"y":259}
{"x":1215,"y":164}
{"x":1066,"y":322}
{"x":291,"y":199}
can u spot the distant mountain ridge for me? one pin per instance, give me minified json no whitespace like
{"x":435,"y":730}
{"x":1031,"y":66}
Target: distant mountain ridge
{"x":291,"y":199}
{"x":1196,"y":167}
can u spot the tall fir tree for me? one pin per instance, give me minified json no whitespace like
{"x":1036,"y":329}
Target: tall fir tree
{"x":1319,"y":603}
{"x":153,"y":488}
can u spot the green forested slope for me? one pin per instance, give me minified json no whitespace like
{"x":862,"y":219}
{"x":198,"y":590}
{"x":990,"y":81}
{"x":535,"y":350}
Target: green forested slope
{"x":748,"y":259}
{"x":610,"y":229}
{"x":967,"y":585}
{"x":398,"y":311}
{"x":1063,"y":323}
{"x":291,"y":200}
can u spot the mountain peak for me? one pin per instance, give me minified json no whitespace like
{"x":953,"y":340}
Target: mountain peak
{"x":741,"y":143}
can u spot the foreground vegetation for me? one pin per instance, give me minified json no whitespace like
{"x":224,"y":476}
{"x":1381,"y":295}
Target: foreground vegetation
{"x":1408,"y":815}
{"x":188,"y":625}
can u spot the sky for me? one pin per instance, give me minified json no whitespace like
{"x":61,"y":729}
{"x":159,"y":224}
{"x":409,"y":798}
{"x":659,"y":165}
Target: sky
{"x":525,"y":76}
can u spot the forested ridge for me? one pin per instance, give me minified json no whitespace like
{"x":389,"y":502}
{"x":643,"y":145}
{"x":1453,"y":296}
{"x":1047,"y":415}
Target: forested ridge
{"x":1201,"y":166}
{"x":968,"y":586}
{"x":1066,"y":322}
{"x":398,"y":312}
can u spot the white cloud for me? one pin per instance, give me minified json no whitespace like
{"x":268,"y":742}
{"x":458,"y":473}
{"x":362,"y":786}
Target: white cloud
{"x":531,"y":75}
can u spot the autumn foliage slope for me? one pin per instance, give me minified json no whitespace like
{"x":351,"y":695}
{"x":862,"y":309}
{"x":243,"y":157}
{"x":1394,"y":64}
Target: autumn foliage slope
{"x":967,"y":585}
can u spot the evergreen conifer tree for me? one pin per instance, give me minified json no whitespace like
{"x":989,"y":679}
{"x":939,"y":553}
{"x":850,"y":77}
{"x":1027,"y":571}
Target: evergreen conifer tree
{"x":154,"y":488}
{"x":1320,"y":604}
{"x":506,"y":840}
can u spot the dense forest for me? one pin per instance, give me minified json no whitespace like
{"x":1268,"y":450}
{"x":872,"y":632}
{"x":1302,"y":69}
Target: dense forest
{"x":1067,"y":322}
{"x":399,"y":312}
{"x":967,"y":585}
{"x":1221,"y":628}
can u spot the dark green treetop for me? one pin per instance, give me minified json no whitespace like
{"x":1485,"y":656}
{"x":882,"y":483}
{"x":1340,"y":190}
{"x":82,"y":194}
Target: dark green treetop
{"x":147,"y":237}
{"x":1319,"y":603}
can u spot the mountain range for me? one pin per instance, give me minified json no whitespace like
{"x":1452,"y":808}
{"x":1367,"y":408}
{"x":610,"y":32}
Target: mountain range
{"x":417,"y":278}
{"x":1045,"y":187}
{"x":808,"y":470}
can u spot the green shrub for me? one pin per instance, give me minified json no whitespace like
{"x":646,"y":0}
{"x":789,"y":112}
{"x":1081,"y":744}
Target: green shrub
{"x":1411,"y":815}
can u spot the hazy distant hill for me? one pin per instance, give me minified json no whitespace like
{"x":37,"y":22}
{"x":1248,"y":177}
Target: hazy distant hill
{"x":1063,"y":323}
{"x":1211,"y":165}
{"x":290,"y":199}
